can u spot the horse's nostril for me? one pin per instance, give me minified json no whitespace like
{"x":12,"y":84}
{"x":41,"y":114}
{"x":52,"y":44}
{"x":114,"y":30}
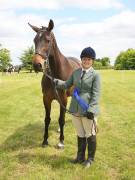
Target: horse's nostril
{"x":39,"y":65}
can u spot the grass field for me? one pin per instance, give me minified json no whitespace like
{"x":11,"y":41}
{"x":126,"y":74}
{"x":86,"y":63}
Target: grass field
{"x":22,"y":125}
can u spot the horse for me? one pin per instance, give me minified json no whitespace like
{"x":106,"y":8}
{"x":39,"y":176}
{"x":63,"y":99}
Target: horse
{"x":49,"y":58}
{"x":17,"y":68}
{"x":11,"y":69}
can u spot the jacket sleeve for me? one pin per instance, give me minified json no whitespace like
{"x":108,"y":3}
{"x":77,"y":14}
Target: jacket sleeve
{"x":65,"y":84}
{"x":95,"y":94}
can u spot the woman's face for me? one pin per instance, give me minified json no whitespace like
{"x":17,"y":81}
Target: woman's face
{"x":87,"y":62}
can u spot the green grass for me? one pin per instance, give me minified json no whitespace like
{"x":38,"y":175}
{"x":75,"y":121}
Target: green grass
{"x":22,"y":127}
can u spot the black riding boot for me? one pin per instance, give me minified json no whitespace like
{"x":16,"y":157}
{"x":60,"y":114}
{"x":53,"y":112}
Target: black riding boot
{"x":91,"y":141}
{"x":81,"y":150}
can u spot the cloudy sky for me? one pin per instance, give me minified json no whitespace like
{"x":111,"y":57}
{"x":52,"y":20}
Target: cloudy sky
{"x":106,"y":25}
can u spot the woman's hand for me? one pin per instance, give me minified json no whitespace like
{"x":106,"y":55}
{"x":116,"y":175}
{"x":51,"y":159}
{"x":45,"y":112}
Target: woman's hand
{"x":55,"y":81}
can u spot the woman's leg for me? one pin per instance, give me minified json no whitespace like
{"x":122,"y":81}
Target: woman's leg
{"x":81,"y":140}
{"x":90,"y":130}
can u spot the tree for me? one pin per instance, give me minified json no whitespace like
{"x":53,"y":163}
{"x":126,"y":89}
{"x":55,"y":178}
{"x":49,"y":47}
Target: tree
{"x":97,"y":64}
{"x":125,"y":60}
{"x":4,"y":58}
{"x":26,"y":58}
{"x":105,"y":61}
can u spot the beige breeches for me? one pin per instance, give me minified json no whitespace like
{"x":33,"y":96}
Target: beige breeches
{"x":84,"y":126}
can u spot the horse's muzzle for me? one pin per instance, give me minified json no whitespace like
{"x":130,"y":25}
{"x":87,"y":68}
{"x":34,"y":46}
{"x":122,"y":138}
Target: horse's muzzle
{"x":38,"y":67}
{"x":38,"y":62}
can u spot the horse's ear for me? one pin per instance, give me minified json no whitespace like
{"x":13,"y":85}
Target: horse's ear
{"x":35,"y":28}
{"x":50,"y":25}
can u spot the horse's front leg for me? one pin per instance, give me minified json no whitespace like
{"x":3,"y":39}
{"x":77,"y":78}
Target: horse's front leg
{"x":47,"y":105}
{"x":62,"y":123}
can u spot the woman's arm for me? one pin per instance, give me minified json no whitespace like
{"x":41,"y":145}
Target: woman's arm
{"x":64,"y":84}
{"x":95,"y":94}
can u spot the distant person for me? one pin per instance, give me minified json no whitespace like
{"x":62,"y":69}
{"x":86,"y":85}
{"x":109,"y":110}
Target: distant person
{"x":84,"y":104}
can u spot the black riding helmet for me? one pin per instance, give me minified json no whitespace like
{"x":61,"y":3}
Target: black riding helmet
{"x":88,"y":52}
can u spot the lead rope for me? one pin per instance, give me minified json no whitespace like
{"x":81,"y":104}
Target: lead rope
{"x":58,"y":97}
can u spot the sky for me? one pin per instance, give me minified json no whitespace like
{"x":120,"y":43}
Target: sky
{"x":108,"y":26}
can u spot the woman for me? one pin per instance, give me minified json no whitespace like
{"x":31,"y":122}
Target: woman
{"x":87,"y":91}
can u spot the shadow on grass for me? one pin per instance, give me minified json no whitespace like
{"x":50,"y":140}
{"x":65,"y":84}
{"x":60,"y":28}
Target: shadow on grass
{"x":29,"y":136}
{"x":26,"y":140}
{"x":55,"y":161}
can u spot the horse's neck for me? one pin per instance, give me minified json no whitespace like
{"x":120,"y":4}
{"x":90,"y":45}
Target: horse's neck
{"x":56,"y":59}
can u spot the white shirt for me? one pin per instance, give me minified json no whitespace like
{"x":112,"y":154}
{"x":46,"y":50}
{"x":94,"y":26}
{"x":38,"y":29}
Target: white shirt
{"x":86,"y":70}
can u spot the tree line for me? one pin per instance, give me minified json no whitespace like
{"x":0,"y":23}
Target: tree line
{"x":124,"y":61}
{"x":25,"y":58}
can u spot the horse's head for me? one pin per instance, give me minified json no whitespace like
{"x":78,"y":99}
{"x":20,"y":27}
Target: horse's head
{"x":42,"y":43}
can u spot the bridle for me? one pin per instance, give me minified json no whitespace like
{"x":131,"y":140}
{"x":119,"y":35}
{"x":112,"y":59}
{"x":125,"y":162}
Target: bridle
{"x":45,"y":66}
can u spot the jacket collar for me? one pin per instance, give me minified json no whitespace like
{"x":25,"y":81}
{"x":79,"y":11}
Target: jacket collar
{"x":87,"y":70}
{"x":88,"y":73}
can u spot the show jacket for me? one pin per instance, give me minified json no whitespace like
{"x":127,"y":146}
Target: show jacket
{"x":89,"y":88}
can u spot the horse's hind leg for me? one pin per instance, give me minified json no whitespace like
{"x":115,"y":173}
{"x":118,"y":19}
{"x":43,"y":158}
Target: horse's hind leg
{"x":47,"y":105}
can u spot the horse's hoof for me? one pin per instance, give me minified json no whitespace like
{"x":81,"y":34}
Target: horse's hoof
{"x":60,"y":146}
{"x":44,"y":144}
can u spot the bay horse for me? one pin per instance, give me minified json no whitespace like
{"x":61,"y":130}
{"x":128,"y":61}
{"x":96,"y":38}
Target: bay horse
{"x":48,"y":57}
